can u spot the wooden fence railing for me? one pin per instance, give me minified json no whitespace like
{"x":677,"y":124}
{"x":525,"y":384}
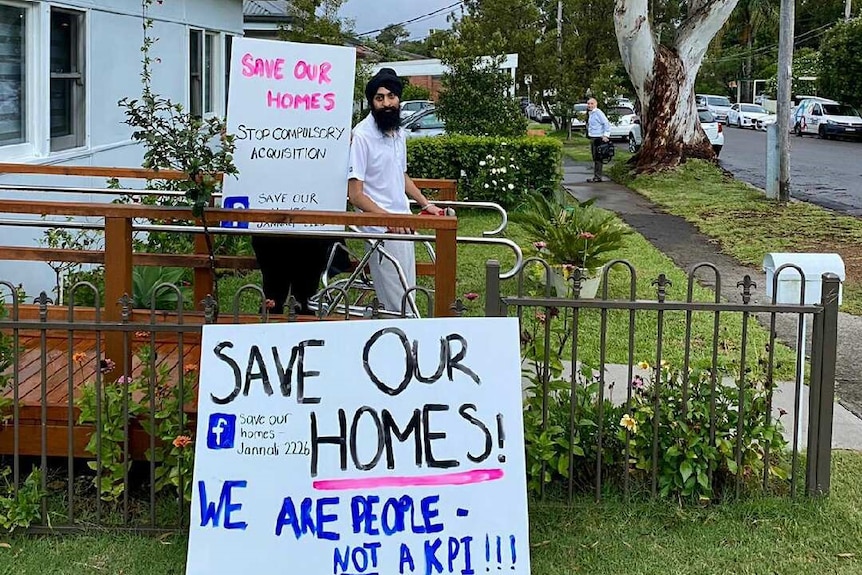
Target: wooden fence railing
{"x":118,"y":256}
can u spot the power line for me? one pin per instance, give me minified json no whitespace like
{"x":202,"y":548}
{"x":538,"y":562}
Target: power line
{"x":809,"y":35}
{"x":416,"y":19}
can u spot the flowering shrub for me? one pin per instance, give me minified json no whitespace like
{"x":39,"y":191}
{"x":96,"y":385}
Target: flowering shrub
{"x":580,"y":235}
{"x":687,"y":455}
{"x":498,"y":175}
{"x":698,"y":440}
{"x":125,"y":402}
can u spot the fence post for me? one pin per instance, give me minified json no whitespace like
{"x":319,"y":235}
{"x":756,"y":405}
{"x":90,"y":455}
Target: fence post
{"x":446,"y":266}
{"x":492,"y":289}
{"x":822,"y":400}
{"x":204,"y":281}
{"x":118,"y":280}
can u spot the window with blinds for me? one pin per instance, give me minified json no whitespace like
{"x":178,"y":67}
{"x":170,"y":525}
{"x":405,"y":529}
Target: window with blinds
{"x":13,"y":94}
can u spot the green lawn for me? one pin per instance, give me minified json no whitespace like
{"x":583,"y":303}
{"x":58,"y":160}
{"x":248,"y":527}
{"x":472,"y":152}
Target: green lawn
{"x":649,"y":264}
{"x":748,"y":226}
{"x":762,"y":536}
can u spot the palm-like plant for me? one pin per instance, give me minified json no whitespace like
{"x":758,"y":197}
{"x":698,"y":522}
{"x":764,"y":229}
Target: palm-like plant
{"x":580,"y":235}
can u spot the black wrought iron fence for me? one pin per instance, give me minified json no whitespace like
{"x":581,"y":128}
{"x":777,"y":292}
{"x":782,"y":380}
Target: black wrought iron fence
{"x":698,"y":416}
{"x":619,"y":393}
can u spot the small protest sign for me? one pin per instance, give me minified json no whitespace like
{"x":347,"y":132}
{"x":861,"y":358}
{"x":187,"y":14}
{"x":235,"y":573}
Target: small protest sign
{"x":360,"y":447}
{"x":290,"y":107}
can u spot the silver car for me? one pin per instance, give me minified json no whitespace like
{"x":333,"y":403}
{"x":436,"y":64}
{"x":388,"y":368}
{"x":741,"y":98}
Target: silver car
{"x":423,"y":124}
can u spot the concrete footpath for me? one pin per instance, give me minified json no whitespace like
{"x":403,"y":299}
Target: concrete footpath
{"x":686,"y":246}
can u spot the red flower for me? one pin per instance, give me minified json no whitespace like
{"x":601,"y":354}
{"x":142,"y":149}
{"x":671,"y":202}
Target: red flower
{"x":586,"y":236}
{"x":471,"y":296}
{"x":182,"y":441}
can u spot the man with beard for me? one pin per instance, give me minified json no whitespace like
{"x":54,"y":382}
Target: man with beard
{"x":378,"y":183}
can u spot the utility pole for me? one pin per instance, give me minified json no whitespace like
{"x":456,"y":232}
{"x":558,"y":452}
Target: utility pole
{"x":846,"y":10}
{"x":564,"y":116}
{"x":785,"y":86}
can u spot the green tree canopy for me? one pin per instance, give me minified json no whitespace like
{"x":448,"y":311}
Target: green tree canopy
{"x":841,"y":64}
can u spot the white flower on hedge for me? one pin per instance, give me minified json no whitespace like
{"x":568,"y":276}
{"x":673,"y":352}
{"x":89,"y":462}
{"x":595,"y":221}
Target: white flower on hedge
{"x":502,"y":170}
{"x":494,"y":182}
{"x":487,"y":186}
{"x":511,"y":186}
{"x":482,"y":163}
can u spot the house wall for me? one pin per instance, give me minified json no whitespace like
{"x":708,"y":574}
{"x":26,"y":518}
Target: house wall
{"x":432,"y":83}
{"x":113,"y":36}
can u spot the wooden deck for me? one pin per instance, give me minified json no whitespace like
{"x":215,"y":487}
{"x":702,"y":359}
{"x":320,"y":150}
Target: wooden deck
{"x":47,"y":374}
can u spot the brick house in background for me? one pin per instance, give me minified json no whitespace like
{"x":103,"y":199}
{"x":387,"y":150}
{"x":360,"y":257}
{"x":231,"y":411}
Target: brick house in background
{"x":428,"y":73}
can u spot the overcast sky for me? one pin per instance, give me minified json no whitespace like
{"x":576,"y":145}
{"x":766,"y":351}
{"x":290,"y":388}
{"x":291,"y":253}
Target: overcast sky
{"x":373,"y":14}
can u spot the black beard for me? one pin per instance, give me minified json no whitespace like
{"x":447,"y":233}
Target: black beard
{"x":387,"y":119}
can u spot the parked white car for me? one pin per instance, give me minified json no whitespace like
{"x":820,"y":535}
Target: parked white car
{"x":622,"y":118}
{"x":714,"y":132}
{"x":718,"y":105}
{"x":827,"y":119}
{"x":410,"y":107}
{"x":746,"y":115}
{"x":579,"y":117}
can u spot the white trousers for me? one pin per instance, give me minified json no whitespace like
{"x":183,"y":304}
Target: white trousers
{"x":387,"y":284}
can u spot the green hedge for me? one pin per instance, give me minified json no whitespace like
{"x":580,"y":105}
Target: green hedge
{"x":491,"y":169}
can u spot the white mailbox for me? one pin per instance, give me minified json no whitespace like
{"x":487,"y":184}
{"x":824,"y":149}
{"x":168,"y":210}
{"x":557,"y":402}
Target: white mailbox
{"x":812,"y":265}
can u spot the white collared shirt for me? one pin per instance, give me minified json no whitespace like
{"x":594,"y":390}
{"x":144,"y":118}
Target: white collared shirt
{"x":379,"y":161}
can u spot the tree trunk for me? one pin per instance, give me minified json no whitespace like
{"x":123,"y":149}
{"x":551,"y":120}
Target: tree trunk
{"x":669,"y":122}
{"x":664,"y":77}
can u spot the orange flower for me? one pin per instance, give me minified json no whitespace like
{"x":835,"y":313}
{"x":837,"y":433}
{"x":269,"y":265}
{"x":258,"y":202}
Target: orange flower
{"x":182,"y":441}
{"x":189,"y":368}
{"x":79,"y":357}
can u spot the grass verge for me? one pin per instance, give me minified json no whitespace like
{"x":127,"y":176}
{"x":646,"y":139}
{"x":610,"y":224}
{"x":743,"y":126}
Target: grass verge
{"x":748,"y":226}
{"x":760,"y":536}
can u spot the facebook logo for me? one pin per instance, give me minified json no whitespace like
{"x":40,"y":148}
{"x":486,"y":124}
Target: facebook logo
{"x":236,"y":203}
{"x":221,"y":432}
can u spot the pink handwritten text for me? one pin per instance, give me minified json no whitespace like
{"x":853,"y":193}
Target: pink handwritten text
{"x":313,"y":72}
{"x":288,"y":101}
{"x":261,"y":67}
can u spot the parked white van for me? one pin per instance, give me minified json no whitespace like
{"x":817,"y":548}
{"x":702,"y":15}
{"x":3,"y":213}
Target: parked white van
{"x":827,"y":119}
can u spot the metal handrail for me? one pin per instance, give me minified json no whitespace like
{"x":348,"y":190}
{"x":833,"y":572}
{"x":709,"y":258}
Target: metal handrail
{"x":516,"y":249}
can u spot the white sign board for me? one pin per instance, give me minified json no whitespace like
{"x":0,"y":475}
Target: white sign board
{"x":360,"y":447}
{"x":290,"y":107}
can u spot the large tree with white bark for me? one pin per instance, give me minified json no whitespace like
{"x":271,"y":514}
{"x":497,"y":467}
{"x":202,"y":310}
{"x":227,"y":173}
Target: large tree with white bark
{"x":663,"y":70}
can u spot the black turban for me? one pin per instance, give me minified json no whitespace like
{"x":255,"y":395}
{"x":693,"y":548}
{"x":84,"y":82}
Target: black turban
{"x":386,"y":78}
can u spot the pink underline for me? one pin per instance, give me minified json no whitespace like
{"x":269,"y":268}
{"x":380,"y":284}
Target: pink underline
{"x":460,"y":478}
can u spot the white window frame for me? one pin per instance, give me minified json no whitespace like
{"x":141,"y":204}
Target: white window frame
{"x":80,"y":116}
{"x":32,"y":83}
{"x":37,"y":142}
{"x":212,"y":92}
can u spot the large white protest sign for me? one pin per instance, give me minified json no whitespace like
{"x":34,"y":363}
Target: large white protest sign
{"x":290,"y":107}
{"x":360,"y":447}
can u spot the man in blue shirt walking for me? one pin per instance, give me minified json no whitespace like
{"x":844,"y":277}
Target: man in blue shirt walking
{"x":598,"y":131}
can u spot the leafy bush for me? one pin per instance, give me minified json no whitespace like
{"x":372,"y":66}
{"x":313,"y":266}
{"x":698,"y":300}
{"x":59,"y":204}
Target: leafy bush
{"x":687,"y":456}
{"x":413,"y":92}
{"x":475,"y":99}
{"x":581,"y":235}
{"x":840,"y":66}
{"x":21,"y":508}
{"x":470,"y":159}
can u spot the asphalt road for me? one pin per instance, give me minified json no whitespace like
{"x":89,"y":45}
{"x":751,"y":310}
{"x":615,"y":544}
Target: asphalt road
{"x":824,"y":172}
